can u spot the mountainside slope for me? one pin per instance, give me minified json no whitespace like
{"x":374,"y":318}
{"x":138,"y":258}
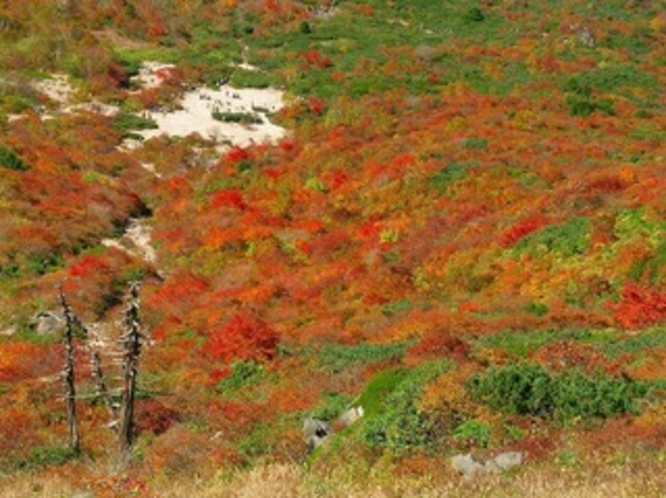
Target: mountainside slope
{"x":464,"y":231}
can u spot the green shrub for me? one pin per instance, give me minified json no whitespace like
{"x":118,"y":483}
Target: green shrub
{"x":473,"y":433}
{"x":576,"y":395}
{"x":397,"y":421}
{"x":396,"y":307}
{"x":529,"y":389}
{"x":10,"y":270}
{"x":337,"y":358}
{"x":585,"y":106}
{"x":568,"y":239}
{"x":46,"y":456}
{"x":378,"y":388}
{"x":331,"y":406}
{"x":14,"y":104}
{"x":10,"y":160}
{"x":453,"y":172}
{"x":647,"y":341}
{"x":518,"y":388}
{"x":475,"y":143}
{"x":237,"y":117}
{"x":474,"y":15}
{"x":243,"y":374}
{"x":633,"y":222}
{"x":538,"y":309}
{"x":580,"y":98}
{"x":125,"y":122}
{"x":250,"y":79}
{"x":41,"y":264}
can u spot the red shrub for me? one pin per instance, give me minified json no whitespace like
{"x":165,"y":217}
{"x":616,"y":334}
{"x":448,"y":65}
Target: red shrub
{"x":243,"y":337}
{"x":153,"y":416}
{"x":639,"y":307}
{"x":228,"y":198}
{"x":316,"y":106}
{"x":180,"y":287}
{"x":516,"y":232}
{"x":89,"y":265}
{"x":314,"y":58}
{"x":440,"y":344}
{"x":237,"y":154}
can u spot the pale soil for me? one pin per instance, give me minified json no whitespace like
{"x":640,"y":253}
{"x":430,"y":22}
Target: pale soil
{"x":56,"y":88}
{"x":193,"y":113}
{"x":135,"y":241}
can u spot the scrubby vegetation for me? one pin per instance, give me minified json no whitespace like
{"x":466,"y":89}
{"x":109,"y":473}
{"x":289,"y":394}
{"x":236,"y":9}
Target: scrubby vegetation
{"x":462,"y":232}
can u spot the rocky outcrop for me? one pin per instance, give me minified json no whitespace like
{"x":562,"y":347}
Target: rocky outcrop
{"x":315,"y":432}
{"x":468,"y":467}
{"x":49,"y":322}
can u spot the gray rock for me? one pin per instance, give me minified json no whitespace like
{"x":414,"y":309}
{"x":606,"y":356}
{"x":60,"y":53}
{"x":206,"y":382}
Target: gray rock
{"x":507,"y":460}
{"x":466,"y":465}
{"x":49,"y":322}
{"x":351,"y":415}
{"x":315,"y":432}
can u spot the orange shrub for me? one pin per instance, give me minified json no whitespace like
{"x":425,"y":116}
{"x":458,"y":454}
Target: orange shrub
{"x":243,"y":337}
{"x":640,"y":306}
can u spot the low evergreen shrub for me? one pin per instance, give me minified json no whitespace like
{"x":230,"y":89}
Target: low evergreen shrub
{"x":526,"y":388}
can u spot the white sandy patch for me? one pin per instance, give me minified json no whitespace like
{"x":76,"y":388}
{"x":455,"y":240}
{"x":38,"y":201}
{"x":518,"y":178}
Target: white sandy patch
{"x":57,"y":88}
{"x":139,"y":233}
{"x":195,"y":115}
{"x":135,"y":241}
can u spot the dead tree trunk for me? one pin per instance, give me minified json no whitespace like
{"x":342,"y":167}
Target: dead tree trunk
{"x":71,"y":323}
{"x":102,"y":390}
{"x":131,"y":342}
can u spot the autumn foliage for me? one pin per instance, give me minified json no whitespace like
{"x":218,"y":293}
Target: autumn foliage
{"x":640,"y":306}
{"x":458,"y":188}
{"x":242,"y":337}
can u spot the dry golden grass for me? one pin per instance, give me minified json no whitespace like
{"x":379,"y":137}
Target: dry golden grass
{"x":27,"y":485}
{"x":286,"y":481}
{"x":645,"y":478}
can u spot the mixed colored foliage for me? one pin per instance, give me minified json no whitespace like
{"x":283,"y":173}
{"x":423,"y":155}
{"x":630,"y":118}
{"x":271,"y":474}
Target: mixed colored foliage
{"x":463,"y":230}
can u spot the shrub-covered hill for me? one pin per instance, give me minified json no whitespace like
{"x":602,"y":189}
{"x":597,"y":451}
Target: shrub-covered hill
{"x":464,"y":231}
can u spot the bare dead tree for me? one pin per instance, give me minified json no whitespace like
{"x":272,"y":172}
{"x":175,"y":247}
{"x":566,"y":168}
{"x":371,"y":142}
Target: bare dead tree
{"x":72,"y":324}
{"x":102,"y":390}
{"x":131,"y":342}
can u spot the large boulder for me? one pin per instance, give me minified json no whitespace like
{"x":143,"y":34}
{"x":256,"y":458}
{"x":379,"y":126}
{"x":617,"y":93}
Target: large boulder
{"x":49,"y":322}
{"x":315,"y":432}
{"x":350,"y":416}
{"x":468,"y":467}
{"x":504,"y":461}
